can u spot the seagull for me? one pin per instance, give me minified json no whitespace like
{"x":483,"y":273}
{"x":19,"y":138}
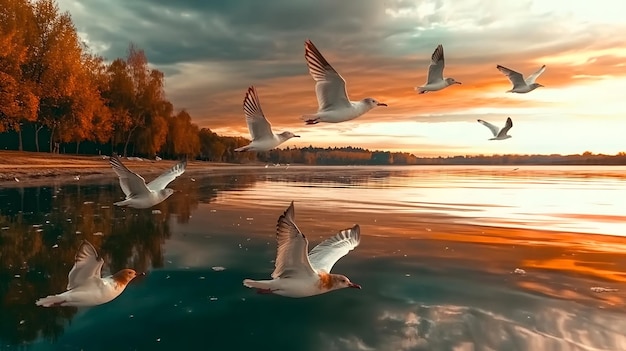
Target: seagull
{"x":435,"y":73}
{"x":85,"y":286}
{"x":330,"y":88}
{"x":298,"y":274}
{"x":520,"y":85}
{"x":140,"y":195}
{"x":260,"y":128}
{"x":499,"y":134}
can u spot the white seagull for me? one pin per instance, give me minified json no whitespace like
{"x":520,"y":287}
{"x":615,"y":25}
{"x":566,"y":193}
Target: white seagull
{"x":140,"y":195}
{"x":521,"y":85}
{"x":260,"y":128}
{"x":85,"y":286}
{"x":435,"y":79}
{"x":330,"y":88}
{"x":499,"y":134}
{"x":299,"y":273}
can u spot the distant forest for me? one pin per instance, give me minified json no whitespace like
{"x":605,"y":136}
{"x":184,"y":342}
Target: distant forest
{"x":58,"y":96}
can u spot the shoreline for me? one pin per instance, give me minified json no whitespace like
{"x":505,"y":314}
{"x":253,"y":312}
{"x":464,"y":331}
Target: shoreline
{"x":32,"y":167}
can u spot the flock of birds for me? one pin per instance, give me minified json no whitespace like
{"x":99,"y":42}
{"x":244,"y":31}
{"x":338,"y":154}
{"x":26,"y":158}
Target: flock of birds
{"x":298,"y":272}
{"x":334,"y":106}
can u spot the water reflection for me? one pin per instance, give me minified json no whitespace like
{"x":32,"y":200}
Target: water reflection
{"x":430,"y":280}
{"x":41,"y":228}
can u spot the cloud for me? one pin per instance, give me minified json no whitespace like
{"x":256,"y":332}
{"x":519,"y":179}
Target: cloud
{"x":211,"y":51}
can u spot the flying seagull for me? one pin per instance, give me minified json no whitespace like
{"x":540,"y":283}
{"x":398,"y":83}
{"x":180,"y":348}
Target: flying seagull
{"x":260,"y":128}
{"x":435,"y":73}
{"x":299,"y":273}
{"x":499,"y":134}
{"x":140,"y":195}
{"x":85,"y":286}
{"x":334,"y":106}
{"x":520,"y":85}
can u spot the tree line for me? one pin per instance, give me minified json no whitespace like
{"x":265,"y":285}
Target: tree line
{"x":359,"y":156}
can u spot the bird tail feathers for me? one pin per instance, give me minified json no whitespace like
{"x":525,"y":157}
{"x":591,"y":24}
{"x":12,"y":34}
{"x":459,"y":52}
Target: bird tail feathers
{"x":51,"y":301}
{"x":121,"y":203}
{"x":256,"y":284}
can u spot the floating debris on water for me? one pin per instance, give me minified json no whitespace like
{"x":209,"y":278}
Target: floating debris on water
{"x":249,"y":219}
{"x":519,"y":271}
{"x":218,"y":268}
{"x":213,"y":298}
{"x":98,"y":234}
{"x":156,"y":211}
{"x":599,"y":289}
{"x":87,"y":202}
{"x":55,"y":246}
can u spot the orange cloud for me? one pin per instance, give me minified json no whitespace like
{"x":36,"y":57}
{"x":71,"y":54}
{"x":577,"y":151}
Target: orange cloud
{"x":284,"y":100}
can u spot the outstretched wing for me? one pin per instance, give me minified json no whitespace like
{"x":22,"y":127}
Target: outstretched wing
{"x":516,"y":78}
{"x":533,"y":77}
{"x":168,"y":176}
{"x":324,"y":256}
{"x":437,"y":63}
{"x":132,"y":184}
{"x":291,"y":257}
{"x":507,"y":126}
{"x":260,"y":128}
{"x":491,"y":127}
{"x":87,"y":264}
{"x":330,"y":87}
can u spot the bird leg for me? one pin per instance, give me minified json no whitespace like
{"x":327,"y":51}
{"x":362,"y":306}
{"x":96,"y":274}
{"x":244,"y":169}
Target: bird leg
{"x":312,"y":121}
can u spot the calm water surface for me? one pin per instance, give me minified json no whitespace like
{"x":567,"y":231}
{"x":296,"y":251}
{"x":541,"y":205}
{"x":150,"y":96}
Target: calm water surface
{"x":436,"y":261}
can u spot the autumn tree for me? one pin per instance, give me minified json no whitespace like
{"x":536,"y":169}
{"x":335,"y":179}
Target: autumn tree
{"x":17,"y":100}
{"x":136,"y":99}
{"x":183,"y":137}
{"x":119,"y":97}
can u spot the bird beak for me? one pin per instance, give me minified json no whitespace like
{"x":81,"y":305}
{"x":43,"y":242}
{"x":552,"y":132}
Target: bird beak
{"x":296,"y":136}
{"x":458,"y":83}
{"x":381,"y":104}
{"x":138,"y":276}
{"x":355,"y":286}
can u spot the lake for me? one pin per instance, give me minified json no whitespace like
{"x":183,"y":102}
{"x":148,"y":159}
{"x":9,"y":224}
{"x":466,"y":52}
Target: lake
{"x":451,"y":258}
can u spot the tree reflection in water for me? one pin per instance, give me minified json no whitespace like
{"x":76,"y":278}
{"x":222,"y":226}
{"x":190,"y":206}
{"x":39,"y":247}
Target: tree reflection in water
{"x":42,"y":227}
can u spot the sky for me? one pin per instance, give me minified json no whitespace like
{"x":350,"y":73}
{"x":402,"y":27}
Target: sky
{"x":211,"y":51}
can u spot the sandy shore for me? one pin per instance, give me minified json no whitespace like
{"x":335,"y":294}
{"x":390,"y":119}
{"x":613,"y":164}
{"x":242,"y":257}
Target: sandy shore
{"x":33,"y":167}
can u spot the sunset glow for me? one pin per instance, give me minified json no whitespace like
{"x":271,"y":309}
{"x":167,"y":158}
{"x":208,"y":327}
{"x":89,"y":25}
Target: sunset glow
{"x":211,"y":54}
